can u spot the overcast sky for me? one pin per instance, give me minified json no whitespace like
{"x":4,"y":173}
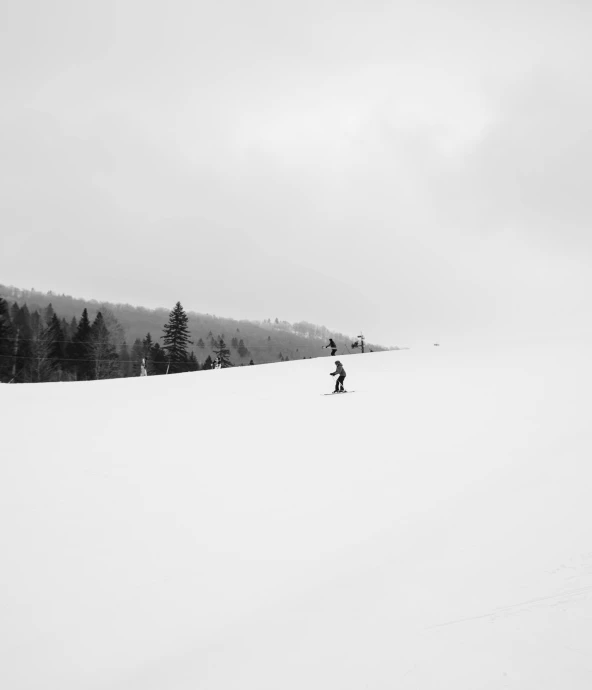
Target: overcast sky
{"x":419,"y":170}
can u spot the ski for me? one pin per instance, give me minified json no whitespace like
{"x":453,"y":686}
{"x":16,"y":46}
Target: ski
{"x":339,"y":393}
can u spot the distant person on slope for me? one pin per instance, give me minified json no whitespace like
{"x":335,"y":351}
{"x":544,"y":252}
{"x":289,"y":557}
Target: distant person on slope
{"x":332,"y":346}
{"x":340,"y":371}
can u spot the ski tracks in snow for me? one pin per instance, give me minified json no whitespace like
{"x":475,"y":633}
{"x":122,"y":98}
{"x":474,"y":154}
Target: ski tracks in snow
{"x":579,"y":566}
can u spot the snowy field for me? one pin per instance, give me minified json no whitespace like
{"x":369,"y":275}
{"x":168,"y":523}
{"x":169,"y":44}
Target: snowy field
{"x":236,"y":530}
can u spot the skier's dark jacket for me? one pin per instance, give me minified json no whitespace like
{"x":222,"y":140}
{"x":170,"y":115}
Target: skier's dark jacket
{"x":339,"y":370}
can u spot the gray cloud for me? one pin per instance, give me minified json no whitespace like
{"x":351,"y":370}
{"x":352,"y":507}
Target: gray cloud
{"x":409,"y":171}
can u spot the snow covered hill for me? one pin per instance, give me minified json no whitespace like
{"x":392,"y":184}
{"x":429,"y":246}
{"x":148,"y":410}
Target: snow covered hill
{"x":432,"y":530}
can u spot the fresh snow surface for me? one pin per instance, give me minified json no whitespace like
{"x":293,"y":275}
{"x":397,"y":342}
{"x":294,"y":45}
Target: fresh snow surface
{"x":237,"y":530}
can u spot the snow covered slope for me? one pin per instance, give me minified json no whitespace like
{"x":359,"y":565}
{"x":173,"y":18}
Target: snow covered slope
{"x":432,"y":530}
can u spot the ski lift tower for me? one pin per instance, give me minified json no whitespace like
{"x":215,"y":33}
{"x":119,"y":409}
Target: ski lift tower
{"x":361,"y":337}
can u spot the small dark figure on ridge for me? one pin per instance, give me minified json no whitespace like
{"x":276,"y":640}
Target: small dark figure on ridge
{"x":332,"y":346}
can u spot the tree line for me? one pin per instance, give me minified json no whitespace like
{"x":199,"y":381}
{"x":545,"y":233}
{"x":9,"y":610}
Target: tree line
{"x":40,"y":346}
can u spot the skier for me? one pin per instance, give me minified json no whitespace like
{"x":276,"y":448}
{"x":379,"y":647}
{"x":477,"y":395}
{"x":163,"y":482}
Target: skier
{"x":340,"y":378}
{"x":332,"y":346}
{"x":218,"y":362}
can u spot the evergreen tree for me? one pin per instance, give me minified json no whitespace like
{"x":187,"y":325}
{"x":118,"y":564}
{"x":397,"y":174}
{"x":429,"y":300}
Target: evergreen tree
{"x":6,"y":341}
{"x":234,"y":343}
{"x":157,"y":363}
{"x":208,"y":363}
{"x":114,"y":328}
{"x":176,"y":339}
{"x":192,"y":362}
{"x":65,"y":326}
{"x":57,"y":350}
{"x":102,"y":350}
{"x":79,"y":349}
{"x":201,"y":344}
{"x":22,"y":318}
{"x":48,"y":314}
{"x":251,"y":362}
{"x":147,"y":345}
{"x":242,"y":350}
{"x":45,"y":349}
{"x":37,"y":324}
{"x":22,"y":369}
{"x":149,"y":357}
{"x":67,"y":368}
{"x":42,"y":363}
{"x":224,"y":353}
{"x":14,"y":313}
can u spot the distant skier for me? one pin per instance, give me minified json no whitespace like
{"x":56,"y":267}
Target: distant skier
{"x":340,"y":372}
{"x":332,"y":346}
{"x":217,"y":363}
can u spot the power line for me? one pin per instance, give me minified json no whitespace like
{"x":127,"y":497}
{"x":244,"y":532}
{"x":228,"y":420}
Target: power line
{"x":37,"y":340}
{"x":65,"y":359}
{"x":251,"y":348}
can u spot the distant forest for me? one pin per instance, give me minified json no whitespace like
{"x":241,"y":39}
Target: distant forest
{"x":50,"y":337}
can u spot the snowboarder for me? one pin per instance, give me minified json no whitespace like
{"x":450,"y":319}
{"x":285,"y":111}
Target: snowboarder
{"x":340,"y":371}
{"x":332,"y":346}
